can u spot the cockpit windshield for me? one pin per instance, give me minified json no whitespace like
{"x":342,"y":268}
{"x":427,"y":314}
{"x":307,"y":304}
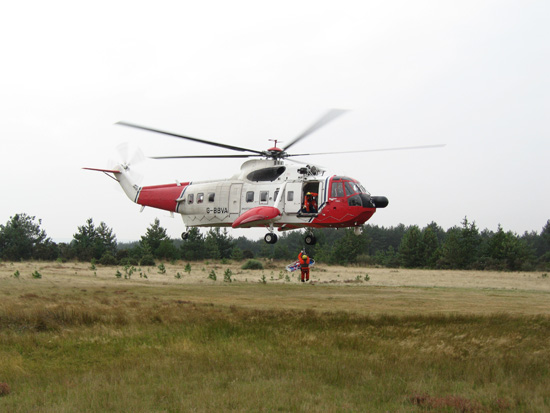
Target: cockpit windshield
{"x":352,"y":188}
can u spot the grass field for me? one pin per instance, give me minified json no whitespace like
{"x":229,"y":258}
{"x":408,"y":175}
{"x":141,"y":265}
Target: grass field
{"x":81,"y":339}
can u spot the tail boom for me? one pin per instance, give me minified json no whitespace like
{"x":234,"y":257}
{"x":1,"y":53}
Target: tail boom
{"x":161,"y":196}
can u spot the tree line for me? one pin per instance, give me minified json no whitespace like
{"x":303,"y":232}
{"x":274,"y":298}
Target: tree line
{"x":461,"y":247}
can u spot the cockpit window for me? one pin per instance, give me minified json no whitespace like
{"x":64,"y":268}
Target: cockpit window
{"x":352,"y":188}
{"x":337,"y":190}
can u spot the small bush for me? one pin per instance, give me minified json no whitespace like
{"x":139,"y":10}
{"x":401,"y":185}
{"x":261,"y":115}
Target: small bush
{"x":17,"y":274}
{"x":118,"y":274}
{"x":247,"y":254}
{"x":129,"y":261}
{"x":162,"y":268}
{"x":128,"y":271}
{"x":367,"y":277}
{"x":253,"y":265}
{"x":147,"y":260}
{"x":187,"y":268}
{"x":212,"y":276}
{"x":108,"y":259}
{"x":4,"y":389}
{"x":227,"y":276}
{"x":178,"y":275}
{"x":36,"y":275}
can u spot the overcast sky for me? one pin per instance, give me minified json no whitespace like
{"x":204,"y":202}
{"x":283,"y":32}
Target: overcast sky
{"x":471,"y":74}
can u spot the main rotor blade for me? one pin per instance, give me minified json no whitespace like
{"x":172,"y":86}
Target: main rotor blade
{"x":202,"y":156}
{"x":326,"y":118}
{"x":403,"y":148}
{"x":221,"y":145}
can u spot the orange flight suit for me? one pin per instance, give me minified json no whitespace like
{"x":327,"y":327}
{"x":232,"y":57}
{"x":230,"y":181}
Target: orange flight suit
{"x":304,"y":266}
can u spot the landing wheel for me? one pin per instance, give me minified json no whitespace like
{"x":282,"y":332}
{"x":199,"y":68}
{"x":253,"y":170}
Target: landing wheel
{"x":185,"y":235}
{"x":270,"y":238}
{"x":310,"y":239}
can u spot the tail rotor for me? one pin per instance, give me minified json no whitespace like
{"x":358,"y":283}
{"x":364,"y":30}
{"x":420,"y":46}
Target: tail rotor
{"x":128,"y":157}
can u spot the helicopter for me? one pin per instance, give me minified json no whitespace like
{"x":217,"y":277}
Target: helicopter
{"x":272,"y":191}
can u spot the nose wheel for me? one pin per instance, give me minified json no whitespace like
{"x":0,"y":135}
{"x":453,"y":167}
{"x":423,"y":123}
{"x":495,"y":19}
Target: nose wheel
{"x":185,"y":235}
{"x":270,"y":238}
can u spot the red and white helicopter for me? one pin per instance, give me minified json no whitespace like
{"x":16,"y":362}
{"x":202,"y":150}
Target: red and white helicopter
{"x":270,"y":192}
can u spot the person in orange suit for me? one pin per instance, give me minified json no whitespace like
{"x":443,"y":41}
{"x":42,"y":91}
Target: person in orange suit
{"x":304,"y":261}
{"x":310,"y":202}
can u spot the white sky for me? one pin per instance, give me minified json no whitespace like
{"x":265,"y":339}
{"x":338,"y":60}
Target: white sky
{"x":471,"y":74}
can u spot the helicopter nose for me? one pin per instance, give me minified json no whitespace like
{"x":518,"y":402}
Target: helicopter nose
{"x":379,"y":201}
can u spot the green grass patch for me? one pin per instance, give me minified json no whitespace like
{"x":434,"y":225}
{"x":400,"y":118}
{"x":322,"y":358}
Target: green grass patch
{"x":142,"y":349}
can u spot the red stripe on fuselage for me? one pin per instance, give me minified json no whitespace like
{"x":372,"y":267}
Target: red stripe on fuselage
{"x":161,"y":196}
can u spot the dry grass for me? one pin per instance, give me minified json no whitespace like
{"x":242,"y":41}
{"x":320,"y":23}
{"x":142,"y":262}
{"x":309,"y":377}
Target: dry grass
{"x":333,"y":288}
{"x":82,"y":340}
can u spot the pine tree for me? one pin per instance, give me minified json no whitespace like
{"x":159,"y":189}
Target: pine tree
{"x":430,"y":247}
{"x":91,"y":242}
{"x":21,"y":238}
{"x":193,"y":247}
{"x":411,"y":248}
{"x":153,"y":238}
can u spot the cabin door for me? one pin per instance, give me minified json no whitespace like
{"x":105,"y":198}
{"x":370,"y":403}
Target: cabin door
{"x":293,"y":197}
{"x":235,"y":199}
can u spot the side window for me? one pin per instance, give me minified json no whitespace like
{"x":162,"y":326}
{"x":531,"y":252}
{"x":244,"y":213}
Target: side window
{"x":290,"y":196}
{"x":211,"y":197}
{"x":337,"y":190}
{"x":200,"y":198}
{"x":250,"y":196}
{"x":190,"y":198}
{"x":263,"y":197}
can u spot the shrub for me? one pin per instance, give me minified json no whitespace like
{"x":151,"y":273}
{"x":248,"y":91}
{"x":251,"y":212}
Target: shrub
{"x":212,"y":275}
{"x":247,"y":254}
{"x":162,"y":268}
{"x":128,"y":271}
{"x":107,"y":259}
{"x":227,"y":276}
{"x":147,"y":260}
{"x":129,"y":261}
{"x":4,"y":389}
{"x":17,"y":274}
{"x":187,"y":268}
{"x":36,"y":275}
{"x":253,"y":265}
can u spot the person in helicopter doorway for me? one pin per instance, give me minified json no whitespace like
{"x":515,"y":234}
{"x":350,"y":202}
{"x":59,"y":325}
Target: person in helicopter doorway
{"x":304,"y":261}
{"x":310,"y":203}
